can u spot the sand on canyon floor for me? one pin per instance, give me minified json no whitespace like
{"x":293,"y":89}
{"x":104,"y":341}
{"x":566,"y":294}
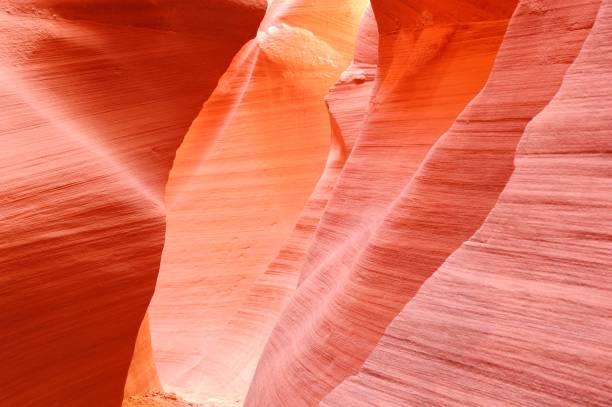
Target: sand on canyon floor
{"x":157,"y":399}
{"x":161,"y":399}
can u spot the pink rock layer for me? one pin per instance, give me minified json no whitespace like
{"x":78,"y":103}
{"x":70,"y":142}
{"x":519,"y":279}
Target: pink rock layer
{"x":240,"y":180}
{"x":453,"y":191}
{"x":352,"y":282}
{"x":520,"y":314}
{"x":94,"y":105}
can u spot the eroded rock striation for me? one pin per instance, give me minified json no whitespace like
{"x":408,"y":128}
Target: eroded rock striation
{"x":240,"y":180}
{"x":248,"y":329}
{"x":519,"y":314}
{"x":352,"y":284}
{"x":406,"y":202}
{"x":447,"y":201}
{"x":95,"y":100}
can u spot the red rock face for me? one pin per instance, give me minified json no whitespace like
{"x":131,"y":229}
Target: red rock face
{"x":404,"y":206}
{"x":249,"y":327}
{"x":93,"y":106}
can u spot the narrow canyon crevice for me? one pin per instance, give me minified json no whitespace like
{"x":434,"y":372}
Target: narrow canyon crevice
{"x":300,"y":203}
{"x":359,"y":272}
{"x":241,"y":178}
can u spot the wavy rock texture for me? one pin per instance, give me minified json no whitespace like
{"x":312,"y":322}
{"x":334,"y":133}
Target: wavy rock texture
{"x":94,"y":106}
{"x":239,"y":183}
{"x":459,"y":183}
{"x":520,"y":314}
{"x":405,"y":207}
{"x":250,"y":326}
{"x":429,"y":70}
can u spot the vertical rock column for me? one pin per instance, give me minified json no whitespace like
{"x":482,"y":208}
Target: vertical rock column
{"x":250,"y":326}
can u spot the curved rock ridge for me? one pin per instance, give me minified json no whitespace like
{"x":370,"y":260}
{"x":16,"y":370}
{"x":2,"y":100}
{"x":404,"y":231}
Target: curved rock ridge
{"x":459,"y":183}
{"x":92,"y":114}
{"x":239,"y":182}
{"x":427,"y":73}
{"x":520,"y":314}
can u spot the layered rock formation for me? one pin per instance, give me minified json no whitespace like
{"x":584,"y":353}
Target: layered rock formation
{"x":520,"y":313}
{"x":239,"y":182}
{"x":94,"y":105}
{"x":248,"y":329}
{"x":407,"y":206}
{"x":447,"y":200}
{"x":353,"y":280}
{"x":350,"y":288}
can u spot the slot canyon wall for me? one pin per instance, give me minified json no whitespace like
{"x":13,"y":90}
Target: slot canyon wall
{"x":306,"y":203}
{"x":95,"y":96}
{"x":239,"y":182}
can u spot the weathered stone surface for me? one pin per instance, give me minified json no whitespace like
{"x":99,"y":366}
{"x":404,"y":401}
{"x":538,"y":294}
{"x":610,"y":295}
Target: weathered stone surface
{"x":427,"y":74}
{"x":93,"y":108}
{"x":409,"y":206}
{"x":429,"y":354}
{"x":239,"y":183}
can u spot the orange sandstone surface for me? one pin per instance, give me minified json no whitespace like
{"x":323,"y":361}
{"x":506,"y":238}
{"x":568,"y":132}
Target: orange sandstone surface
{"x":95,"y":99}
{"x":240,"y":180}
{"x":300,"y":203}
